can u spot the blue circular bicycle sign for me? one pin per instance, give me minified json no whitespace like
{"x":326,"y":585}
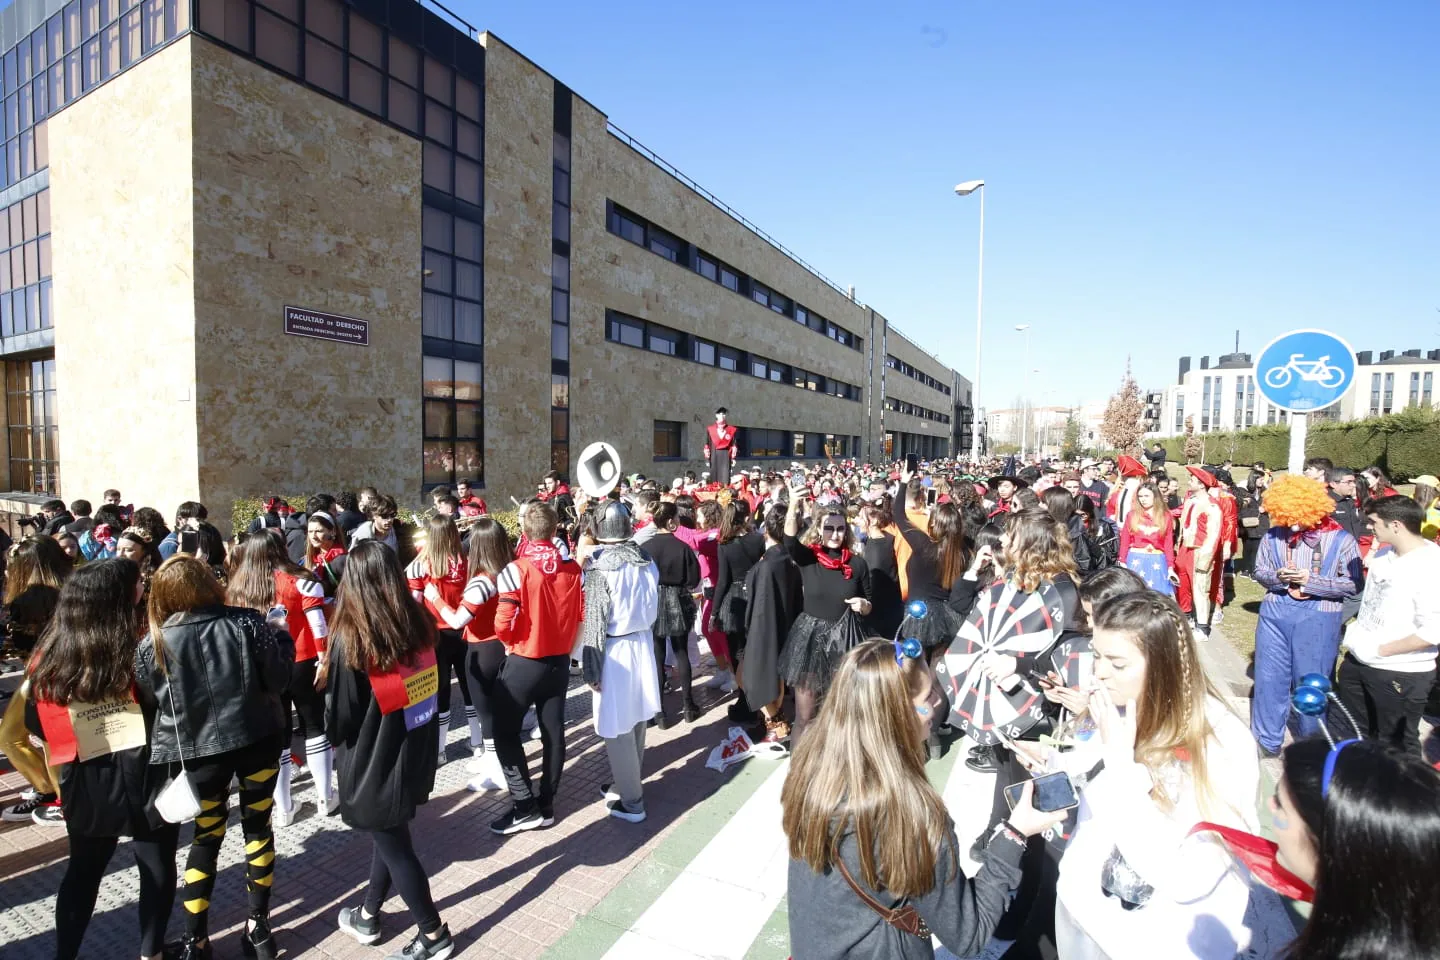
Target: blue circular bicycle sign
{"x":1305,"y":370}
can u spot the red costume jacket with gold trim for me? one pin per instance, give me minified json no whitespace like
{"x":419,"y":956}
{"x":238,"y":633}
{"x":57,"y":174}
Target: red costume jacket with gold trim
{"x":719,"y":437}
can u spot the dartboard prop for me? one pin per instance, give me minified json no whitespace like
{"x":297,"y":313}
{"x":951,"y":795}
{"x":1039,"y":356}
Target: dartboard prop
{"x":1004,"y":620}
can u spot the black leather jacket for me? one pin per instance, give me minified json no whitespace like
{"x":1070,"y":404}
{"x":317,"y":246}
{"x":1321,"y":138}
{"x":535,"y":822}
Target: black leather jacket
{"x":227,"y":669}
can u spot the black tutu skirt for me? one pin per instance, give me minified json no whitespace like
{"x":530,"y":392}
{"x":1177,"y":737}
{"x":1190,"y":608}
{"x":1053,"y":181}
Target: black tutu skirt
{"x":937,"y":628}
{"x":730,"y":609}
{"x":676,"y":616}
{"x":814,"y":649}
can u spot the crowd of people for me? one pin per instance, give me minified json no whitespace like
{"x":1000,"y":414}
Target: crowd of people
{"x":859,"y":616}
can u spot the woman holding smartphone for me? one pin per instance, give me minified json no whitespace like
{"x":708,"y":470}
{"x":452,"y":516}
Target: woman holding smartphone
{"x":1133,"y":881}
{"x":870,"y":837}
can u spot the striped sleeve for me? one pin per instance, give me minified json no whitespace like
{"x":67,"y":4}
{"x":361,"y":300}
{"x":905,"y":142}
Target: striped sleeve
{"x":509,"y":579}
{"x":478,"y":592}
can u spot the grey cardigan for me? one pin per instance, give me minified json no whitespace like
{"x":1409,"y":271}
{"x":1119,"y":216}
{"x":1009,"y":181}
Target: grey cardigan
{"x":828,"y":921}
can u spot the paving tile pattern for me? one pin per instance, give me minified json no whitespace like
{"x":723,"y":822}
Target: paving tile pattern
{"x":507,"y":898}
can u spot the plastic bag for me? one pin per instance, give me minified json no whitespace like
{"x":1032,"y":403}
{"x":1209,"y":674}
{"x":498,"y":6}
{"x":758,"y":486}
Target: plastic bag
{"x":737,"y":746}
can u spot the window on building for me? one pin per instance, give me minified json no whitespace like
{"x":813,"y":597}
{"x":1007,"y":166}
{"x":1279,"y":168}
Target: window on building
{"x":1205,"y":406}
{"x":34,"y":428}
{"x":1414,"y":389}
{"x":797,"y":445}
{"x":760,"y":294}
{"x":1425,"y":395}
{"x":729,"y":280}
{"x":706,"y":268}
{"x":702,"y":351}
{"x":1239,"y":401}
{"x":729,"y":359}
{"x":664,"y":244}
{"x":802,"y":317}
{"x":664,"y":341}
{"x":1388,"y":401}
{"x":624,"y":226}
{"x":1215,"y":403}
{"x":1374,"y":394}
{"x":452,"y":417}
{"x":669,"y":440}
{"x":766,"y":443}
{"x":1249,"y":401}
{"x":758,"y":368}
{"x":626,"y":330}
{"x":1179,"y":412}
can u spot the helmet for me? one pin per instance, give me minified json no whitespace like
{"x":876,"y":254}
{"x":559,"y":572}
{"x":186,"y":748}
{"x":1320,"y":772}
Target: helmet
{"x":615,"y":525}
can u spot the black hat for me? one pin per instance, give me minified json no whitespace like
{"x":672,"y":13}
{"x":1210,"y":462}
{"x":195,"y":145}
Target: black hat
{"x":994,"y":482}
{"x":722,"y":410}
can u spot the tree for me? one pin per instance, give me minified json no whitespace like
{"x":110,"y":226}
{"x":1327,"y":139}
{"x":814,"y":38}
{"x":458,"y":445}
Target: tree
{"x":1121,"y":426}
{"x":1194,"y":446}
{"x":1070,"y":439}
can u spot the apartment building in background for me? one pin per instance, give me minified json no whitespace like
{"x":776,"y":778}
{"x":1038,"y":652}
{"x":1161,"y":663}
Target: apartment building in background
{"x":305,"y":245}
{"x":1224,"y":397}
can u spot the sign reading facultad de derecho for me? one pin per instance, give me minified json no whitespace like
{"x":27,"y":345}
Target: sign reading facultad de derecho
{"x":326,"y":326}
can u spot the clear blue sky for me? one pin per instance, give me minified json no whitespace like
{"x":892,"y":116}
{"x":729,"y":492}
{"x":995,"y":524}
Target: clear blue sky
{"x":1159,"y":174}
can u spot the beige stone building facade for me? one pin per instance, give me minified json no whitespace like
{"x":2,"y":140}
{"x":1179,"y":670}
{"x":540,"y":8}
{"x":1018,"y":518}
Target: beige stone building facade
{"x":263,"y":246}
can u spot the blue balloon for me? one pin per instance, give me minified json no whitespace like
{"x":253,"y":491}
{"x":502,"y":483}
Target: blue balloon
{"x":911,"y":647}
{"x":1308,"y":701}
{"x":917,"y":609}
{"x":1316,"y":680}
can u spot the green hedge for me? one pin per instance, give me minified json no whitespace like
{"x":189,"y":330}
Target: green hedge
{"x":247,"y":509}
{"x":1404,"y":444}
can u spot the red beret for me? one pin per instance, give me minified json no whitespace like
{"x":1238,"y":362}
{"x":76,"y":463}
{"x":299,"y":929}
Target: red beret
{"x":1130,"y":467}
{"x":1204,"y":476}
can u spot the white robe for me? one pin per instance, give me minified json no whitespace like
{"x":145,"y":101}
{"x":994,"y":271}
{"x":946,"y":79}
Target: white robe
{"x":629,"y":686}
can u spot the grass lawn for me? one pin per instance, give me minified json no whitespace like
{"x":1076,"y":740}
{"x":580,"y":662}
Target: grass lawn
{"x":1241,"y":615}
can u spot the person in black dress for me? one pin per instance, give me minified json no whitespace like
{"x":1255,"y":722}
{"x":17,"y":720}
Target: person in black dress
{"x":774,"y":594}
{"x":679,"y":584}
{"x":837,"y":586}
{"x":887,"y":606}
{"x":740,"y":549}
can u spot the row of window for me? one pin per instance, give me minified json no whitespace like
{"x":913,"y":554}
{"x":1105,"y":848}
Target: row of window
{"x":639,"y":231}
{"x":759,"y":443}
{"x":900,"y":366}
{"x":560,"y":295}
{"x":77,"y":49}
{"x":25,"y":303}
{"x":1418,"y":396}
{"x":414,"y":75}
{"x":915,"y":410}
{"x":644,"y":335}
{"x":34,"y":435}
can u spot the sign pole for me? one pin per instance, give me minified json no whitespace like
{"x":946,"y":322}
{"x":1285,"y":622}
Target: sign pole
{"x":1299,"y":429}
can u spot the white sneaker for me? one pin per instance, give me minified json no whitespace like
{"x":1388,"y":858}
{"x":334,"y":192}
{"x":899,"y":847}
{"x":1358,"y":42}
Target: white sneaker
{"x":535,"y":733}
{"x":721,"y":680}
{"x":531,"y":721}
{"x":332,"y":802}
{"x":1218,"y":617}
{"x":488,"y":776}
{"x":280,"y":817}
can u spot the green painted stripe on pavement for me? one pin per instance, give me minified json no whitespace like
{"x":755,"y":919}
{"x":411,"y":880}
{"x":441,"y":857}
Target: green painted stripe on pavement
{"x":596,"y":932}
{"x":773,"y":942}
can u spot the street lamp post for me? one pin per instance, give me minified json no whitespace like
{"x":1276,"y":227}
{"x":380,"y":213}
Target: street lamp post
{"x":1025,"y":404}
{"x":964,"y":190}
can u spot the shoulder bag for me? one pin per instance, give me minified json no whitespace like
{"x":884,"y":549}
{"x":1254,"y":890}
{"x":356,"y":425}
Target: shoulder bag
{"x":177,"y":801}
{"x":906,"y":919}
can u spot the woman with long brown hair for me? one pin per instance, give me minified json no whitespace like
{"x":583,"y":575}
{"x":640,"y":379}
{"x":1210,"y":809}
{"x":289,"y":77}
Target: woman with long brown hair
{"x":263,"y":577}
{"x":1133,"y":881}
{"x":438,"y":576}
{"x":474,"y":613}
{"x":87,"y":661}
{"x":1147,"y":540}
{"x":380,"y":719}
{"x":868,"y":832}
{"x":212,"y":677}
{"x":37,"y":570}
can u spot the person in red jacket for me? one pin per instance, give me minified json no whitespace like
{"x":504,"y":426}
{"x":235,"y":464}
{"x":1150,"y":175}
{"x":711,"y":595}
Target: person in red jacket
{"x":720,"y":447}
{"x":537,"y":619}
{"x":437,"y":579}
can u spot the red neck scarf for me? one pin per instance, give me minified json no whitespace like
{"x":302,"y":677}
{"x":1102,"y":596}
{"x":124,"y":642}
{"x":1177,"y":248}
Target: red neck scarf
{"x":543,"y":554}
{"x":841,"y":563}
{"x":1312,"y":536}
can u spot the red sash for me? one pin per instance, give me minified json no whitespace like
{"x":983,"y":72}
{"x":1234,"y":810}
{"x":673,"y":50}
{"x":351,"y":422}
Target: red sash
{"x":412,"y":688}
{"x":107,"y":728}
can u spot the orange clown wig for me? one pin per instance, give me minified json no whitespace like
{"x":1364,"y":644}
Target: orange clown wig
{"x":1297,"y":501}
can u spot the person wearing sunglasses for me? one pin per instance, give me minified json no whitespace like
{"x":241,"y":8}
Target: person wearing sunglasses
{"x":1133,"y":882}
{"x":1360,"y":823}
{"x":859,"y":777}
{"x":836,"y":583}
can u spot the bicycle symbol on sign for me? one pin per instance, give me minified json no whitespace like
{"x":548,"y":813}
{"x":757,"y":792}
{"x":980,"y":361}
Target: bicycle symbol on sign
{"x":1313,"y":371}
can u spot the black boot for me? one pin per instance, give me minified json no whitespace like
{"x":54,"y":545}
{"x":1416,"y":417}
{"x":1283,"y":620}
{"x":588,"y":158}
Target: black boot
{"x":257,"y":940}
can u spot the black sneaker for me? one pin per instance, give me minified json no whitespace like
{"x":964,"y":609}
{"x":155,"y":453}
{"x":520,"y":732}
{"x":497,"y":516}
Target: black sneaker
{"x":424,"y":948}
{"x":21,"y":812}
{"x":516,"y":822}
{"x":982,"y":762}
{"x":607,"y":791}
{"x":619,"y":810}
{"x":257,"y":940}
{"x":365,"y":930}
